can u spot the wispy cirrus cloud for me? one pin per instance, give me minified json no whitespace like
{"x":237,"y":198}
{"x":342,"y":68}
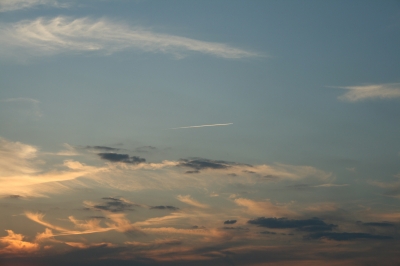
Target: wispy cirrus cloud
{"x":63,"y":34}
{"x":12,"y":5}
{"x":189,"y":200}
{"x":265,"y":208}
{"x":31,"y":104}
{"x":364,"y":92}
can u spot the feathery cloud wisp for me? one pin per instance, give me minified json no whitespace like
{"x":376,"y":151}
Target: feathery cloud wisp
{"x":12,"y":5}
{"x":33,"y":104}
{"x":382,"y":91}
{"x":62,"y":34}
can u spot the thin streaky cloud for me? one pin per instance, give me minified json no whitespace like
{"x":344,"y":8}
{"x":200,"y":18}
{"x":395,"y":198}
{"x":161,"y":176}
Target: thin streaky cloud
{"x":374,"y":91}
{"x":12,"y":5}
{"x":35,"y":110}
{"x":213,"y":125}
{"x":61,"y":34}
{"x":34,"y":101}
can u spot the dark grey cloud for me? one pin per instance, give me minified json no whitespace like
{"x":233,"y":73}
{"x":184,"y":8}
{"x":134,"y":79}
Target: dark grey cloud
{"x":162,"y":207}
{"x":200,"y":164}
{"x":124,"y":158}
{"x":377,"y":224}
{"x":267,"y":233}
{"x":346,"y":236}
{"x":192,"y":172}
{"x":269,"y":178}
{"x":115,"y":205}
{"x":235,"y":228}
{"x":248,"y":172}
{"x":299,"y":186}
{"x":198,"y":227}
{"x":145,"y":149}
{"x":230,"y":222}
{"x":308,"y":225}
{"x":13,"y":197}
{"x":102,"y":148}
{"x":97,"y":217}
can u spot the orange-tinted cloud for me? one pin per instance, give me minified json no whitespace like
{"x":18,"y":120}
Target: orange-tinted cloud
{"x":15,"y":244}
{"x":265,"y":208}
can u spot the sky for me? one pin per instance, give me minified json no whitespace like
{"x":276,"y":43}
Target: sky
{"x":199,"y":132}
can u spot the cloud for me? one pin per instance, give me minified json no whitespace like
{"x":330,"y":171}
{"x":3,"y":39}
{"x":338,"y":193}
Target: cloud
{"x":12,"y":5}
{"x":63,"y":34}
{"x":201,"y":163}
{"x":189,"y":200}
{"x":21,"y":171}
{"x":15,"y":244}
{"x":112,"y":205}
{"x":364,"y":92}
{"x":16,"y":158}
{"x":346,"y":236}
{"x":103,"y":148}
{"x":69,"y":151}
{"x":323,"y":207}
{"x":392,"y":189}
{"x":171,"y":208}
{"x":213,"y":125}
{"x":87,"y":246}
{"x":121,"y":224}
{"x":27,"y":106}
{"x":90,"y":226}
{"x":145,"y":149}
{"x":309,"y":225}
{"x":123,"y":158}
{"x":230,"y":222}
{"x":14,"y":197}
{"x":264,"y":208}
{"x":377,"y":224}
{"x":331,"y":185}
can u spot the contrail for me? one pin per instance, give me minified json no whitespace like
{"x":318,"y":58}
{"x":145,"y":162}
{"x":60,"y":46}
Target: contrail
{"x":213,"y":125}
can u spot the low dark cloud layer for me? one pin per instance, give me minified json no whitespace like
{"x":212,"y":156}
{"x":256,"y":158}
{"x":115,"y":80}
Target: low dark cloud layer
{"x":13,"y":197}
{"x":145,"y":149}
{"x":124,"y":158}
{"x":377,"y":224}
{"x":230,"y":221}
{"x":308,"y":225}
{"x":114,"y":205}
{"x":267,"y":233}
{"x":346,"y":236}
{"x":102,"y":148}
{"x":201,"y":163}
{"x":162,"y":207}
{"x":192,"y":172}
{"x":235,"y":228}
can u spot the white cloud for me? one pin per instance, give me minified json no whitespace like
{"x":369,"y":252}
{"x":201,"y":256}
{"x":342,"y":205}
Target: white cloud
{"x":62,"y":34}
{"x":11,"y":5}
{"x":382,"y":91}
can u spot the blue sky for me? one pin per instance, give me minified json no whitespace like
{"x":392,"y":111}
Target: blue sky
{"x":105,"y":114}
